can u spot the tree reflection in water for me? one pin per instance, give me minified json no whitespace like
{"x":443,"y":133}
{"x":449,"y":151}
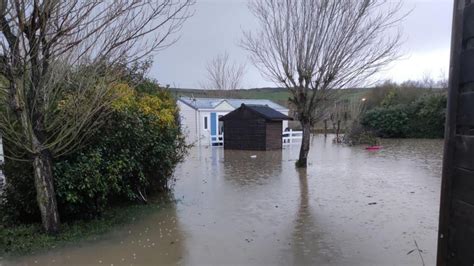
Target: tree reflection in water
{"x":309,"y":244}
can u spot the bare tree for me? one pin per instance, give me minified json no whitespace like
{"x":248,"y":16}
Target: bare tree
{"x":224,"y":75}
{"x":313,"y":46}
{"x":442,"y":82}
{"x":338,"y":114}
{"x":55,"y":57}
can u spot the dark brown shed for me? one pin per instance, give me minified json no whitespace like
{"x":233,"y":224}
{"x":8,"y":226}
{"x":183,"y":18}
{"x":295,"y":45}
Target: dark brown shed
{"x":253,"y":127}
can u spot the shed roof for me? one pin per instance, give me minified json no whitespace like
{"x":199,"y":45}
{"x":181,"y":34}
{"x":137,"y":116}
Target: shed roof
{"x":263,"y":111}
{"x":211,"y":103}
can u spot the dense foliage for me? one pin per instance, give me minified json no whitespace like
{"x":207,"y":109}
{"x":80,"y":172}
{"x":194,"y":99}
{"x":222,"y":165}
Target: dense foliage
{"x":128,"y":158}
{"x":421,"y":118}
{"x":388,"y":122}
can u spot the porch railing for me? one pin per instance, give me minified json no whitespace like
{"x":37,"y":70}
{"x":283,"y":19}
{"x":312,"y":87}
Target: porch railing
{"x":217,"y":140}
{"x":290,"y":136}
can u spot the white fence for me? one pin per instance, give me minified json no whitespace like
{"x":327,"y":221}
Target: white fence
{"x":217,"y":140}
{"x":290,"y":136}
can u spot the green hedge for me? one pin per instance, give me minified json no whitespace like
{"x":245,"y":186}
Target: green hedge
{"x":423,"y":118}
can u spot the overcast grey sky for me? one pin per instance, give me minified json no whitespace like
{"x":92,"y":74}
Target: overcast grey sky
{"x":217,"y":27}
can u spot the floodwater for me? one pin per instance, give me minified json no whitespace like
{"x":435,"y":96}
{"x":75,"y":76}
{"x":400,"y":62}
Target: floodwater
{"x":350,"y":207}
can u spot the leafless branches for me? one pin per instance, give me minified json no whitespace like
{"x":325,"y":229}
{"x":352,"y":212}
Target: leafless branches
{"x":43,"y":44}
{"x":314,"y":46}
{"x":321,"y":45}
{"x":224,"y":75}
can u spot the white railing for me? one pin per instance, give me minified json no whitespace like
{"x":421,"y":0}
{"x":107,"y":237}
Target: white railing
{"x":290,"y":136}
{"x":217,"y":140}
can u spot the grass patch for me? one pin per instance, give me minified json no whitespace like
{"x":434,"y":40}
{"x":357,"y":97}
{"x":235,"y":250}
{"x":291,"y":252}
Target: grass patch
{"x":27,"y":239}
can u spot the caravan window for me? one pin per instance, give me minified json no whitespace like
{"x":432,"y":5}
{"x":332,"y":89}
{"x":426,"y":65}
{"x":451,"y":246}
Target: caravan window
{"x":205,"y":122}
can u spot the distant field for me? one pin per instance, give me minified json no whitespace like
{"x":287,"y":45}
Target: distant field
{"x":279,"y":95}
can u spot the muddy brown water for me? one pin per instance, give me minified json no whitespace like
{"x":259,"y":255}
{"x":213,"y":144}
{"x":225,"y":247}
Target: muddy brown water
{"x":351,"y":207}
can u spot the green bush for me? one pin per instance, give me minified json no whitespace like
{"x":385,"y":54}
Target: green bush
{"x":388,"y":122}
{"x":423,"y":118}
{"x":390,"y":94}
{"x":130,"y":157}
{"x":18,"y":201}
{"x":429,"y":115}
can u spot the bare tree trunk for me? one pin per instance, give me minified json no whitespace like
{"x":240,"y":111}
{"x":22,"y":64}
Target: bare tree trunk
{"x":325,"y":128}
{"x":45,"y":194}
{"x":338,"y":130}
{"x":43,"y":174}
{"x":305,"y":143}
{"x":312,"y":47}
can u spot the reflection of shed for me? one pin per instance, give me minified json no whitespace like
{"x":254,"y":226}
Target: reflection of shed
{"x":253,"y":127}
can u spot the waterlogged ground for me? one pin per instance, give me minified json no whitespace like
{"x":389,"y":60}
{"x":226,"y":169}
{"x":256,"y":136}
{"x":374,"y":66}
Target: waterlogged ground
{"x":351,"y":207}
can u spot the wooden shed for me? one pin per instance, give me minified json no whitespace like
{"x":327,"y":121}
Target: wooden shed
{"x":253,"y":127}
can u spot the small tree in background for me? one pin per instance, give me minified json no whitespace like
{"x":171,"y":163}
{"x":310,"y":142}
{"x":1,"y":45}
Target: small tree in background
{"x":338,"y":114}
{"x":223,"y":75}
{"x":312,"y":47}
{"x":44,"y":46}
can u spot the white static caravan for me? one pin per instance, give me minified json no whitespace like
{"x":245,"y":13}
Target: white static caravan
{"x":200,"y":117}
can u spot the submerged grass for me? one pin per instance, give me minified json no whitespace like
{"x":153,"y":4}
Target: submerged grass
{"x":29,"y":239}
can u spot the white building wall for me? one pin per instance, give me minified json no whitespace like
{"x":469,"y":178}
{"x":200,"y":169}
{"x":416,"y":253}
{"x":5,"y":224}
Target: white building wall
{"x":285,"y":122}
{"x":188,"y":117}
{"x":224,"y":107}
{"x":204,"y":133}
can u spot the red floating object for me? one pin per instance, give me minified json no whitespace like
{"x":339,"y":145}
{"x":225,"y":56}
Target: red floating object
{"x":374,"y":148}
